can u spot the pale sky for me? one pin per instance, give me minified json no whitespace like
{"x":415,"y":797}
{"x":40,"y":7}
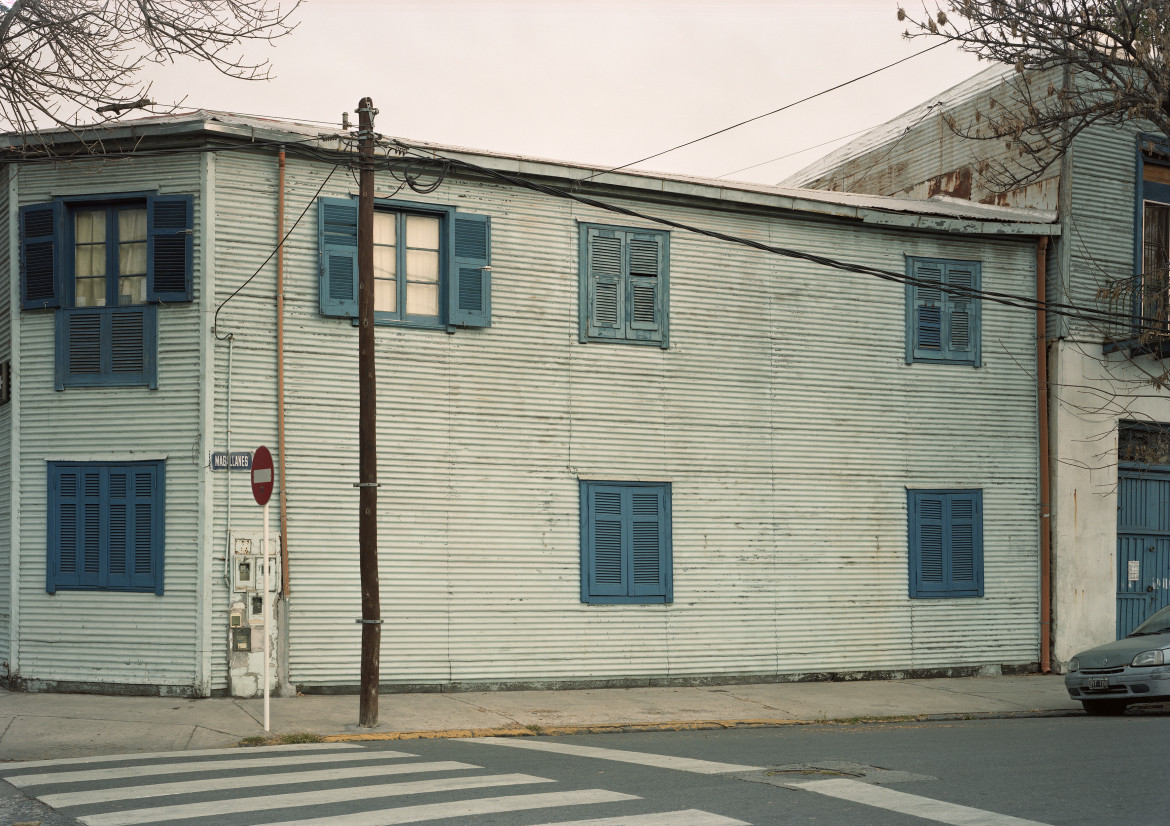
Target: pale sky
{"x":594,"y":81}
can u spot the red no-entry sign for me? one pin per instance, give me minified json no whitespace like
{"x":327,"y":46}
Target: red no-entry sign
{"x":262,"y":475}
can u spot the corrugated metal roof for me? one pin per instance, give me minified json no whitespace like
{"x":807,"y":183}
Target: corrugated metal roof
{"x":893,"y":129}
{"x":940,"y":213}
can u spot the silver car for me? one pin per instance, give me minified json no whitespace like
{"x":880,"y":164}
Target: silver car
{"x":1134,"y":669}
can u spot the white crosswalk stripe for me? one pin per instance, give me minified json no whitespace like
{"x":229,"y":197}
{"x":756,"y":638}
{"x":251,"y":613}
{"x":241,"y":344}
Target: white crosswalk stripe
{"x":466,"y":808}
{"x":135,"y":772}
{"x":234,"y":785}
{"x":60,"y":801}
{"x":268,"y":802}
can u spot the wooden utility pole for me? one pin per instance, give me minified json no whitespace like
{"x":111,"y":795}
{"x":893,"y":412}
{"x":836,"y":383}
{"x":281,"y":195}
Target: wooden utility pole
{"x":367,"y":425}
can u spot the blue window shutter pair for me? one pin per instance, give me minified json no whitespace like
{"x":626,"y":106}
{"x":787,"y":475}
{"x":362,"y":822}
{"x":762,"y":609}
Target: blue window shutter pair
{"x":624,"y":285}
{"x":946,"y":543}
{"x":467,"y":250}
{"x":107,"y":346}
{"x":170,"y":248}
{"x":106,"y":526}
{"x":942,"y":317}
{"x":625,"y":543}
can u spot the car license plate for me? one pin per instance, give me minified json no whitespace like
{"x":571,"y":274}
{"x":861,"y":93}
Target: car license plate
{"x":1098,"y":683}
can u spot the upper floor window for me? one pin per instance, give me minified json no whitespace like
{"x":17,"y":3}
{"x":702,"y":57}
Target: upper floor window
{"x":624,"y":289}
{"x":1153,"y":302}
{"x":431,"y":264}
{"x":102,"y":263}
{"x":942,"y":314}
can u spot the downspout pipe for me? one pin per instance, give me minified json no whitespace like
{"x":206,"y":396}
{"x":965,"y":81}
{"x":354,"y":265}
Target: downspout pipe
{"x":1045,"y":472}
{"x":284,"y":589}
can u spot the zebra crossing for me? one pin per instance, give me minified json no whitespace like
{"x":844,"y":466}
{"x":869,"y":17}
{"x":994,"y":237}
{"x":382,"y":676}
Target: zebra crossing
{"x":312,"y":784}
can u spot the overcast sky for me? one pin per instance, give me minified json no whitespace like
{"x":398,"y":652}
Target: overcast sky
{"x":595,"y":81}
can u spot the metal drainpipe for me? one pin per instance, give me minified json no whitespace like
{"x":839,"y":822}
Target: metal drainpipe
{"x":284,"y":589}
{"x":1045,"y":487}
{"x":227,"y":558}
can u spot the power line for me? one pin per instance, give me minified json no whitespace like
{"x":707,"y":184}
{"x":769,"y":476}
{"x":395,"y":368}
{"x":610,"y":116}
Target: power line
{"x":1027,"y":302}
{"x":766,"y":114}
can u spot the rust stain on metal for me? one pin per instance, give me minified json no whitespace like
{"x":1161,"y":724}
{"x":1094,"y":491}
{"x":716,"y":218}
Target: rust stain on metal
{"x":956,"y":184}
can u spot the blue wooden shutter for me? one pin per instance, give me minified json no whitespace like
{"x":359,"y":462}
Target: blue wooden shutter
{"x":649,"y":534}
{"x":40,"y":231}
{"x":93,"y":526}
{"x":928,"y":542}
{"x":145,"y":517}
{"x":965,"y":529}
{"x":120,"y":514}
{"x":646,"y":280}
{"x":170,"y":246}
{"x":469,"y":289}
{"x":605,"y":541}
{"x":338,"y":284}
{"x":64,"y":528}
{"x":605,"y":283}
{"x":962,"y":314}
{"x":114,"y":346}
{"x":926,"y":323}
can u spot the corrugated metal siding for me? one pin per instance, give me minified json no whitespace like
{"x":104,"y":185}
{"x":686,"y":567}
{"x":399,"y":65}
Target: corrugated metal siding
{"x":1100,"y":223}
{"x":783,"y":415}
{"x":107,"y":636}
{"x":5,"y":435}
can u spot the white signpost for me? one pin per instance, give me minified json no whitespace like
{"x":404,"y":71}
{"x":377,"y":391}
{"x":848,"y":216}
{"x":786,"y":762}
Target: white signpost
{"x":262,"y":481}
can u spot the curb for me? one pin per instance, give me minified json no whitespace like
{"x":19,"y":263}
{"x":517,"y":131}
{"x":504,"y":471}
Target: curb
{"x":690,"y":725}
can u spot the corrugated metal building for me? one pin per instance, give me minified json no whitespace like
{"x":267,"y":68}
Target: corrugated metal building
{"x":1108,"y":413}
{"x":611,"y":450}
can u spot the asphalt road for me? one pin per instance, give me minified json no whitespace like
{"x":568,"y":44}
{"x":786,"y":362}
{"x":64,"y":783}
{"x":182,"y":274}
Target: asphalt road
{"x":1056,"y":770}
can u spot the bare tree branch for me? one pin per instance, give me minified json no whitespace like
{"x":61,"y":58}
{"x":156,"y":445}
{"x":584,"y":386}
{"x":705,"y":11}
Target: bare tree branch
{"x":1111,"y":67}
{"x":65,"y":62}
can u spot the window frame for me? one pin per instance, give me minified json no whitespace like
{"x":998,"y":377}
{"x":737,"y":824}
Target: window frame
{"x":947,"y":587}
{"x":657,"y":594}
{"x":629,"y":334}
{"x":946,"y":353}
{"x":104,"y":579}
{"x":1148,"y":192}
{"x":401,"y":209}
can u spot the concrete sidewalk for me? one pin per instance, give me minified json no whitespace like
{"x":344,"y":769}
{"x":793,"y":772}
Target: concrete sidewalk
{"x":38,"y":726}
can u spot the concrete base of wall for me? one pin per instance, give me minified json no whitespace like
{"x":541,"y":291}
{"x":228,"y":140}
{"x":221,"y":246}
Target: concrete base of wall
{"x":993,"y":670}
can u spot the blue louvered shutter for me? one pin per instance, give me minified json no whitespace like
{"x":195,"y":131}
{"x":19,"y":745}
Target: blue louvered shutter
{"x":145,"y":527}
{"x":338,"y":287}
{"x":113,"y":346}
{"x":644,"y":299}
{"x":927,"y":307}
{"x":648,"y":534}
{"x":120,"y":510}
{"x":40,"y":255}
{"x":965,"y":529}
{"x":962,"y":319}
{"x":605,"y":542}
{"x":93,"y":527}
{"x":469,"y":294}
{"x":170,"y":248}
{"x":605,"y":283}
{"x":928,"y":542}
{"x":64,"y":528}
